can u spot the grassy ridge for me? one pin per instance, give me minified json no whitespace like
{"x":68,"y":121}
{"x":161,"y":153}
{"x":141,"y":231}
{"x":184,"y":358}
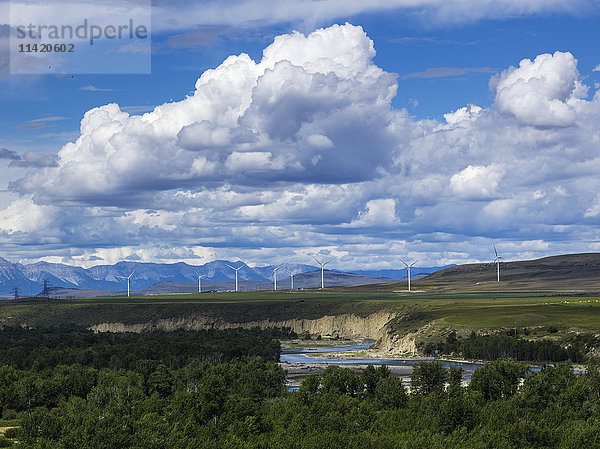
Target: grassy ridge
{"x":230,"y":307}
{"x":579,"y":272}
{"x":473,"y":310}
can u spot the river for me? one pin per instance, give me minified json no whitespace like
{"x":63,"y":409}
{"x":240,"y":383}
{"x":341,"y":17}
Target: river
{"x":301,"y":362}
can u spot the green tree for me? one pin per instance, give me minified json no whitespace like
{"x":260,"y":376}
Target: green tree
{"x":428,"y":377}
{"x":310,"y":386}
{"x":390,"y":392}
{"x":337,"y":380}
{"x":498,"y":379}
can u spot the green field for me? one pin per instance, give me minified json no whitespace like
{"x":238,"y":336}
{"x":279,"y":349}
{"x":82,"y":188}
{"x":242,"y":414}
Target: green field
{"x":462,"y":311}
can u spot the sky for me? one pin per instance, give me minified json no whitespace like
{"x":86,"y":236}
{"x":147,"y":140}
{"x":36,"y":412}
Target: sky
{"x":277,"y":131}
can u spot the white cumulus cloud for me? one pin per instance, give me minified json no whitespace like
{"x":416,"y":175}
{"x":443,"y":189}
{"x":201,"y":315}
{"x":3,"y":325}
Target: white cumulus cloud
{"x":297,"y":114}
{"x":302,"y":153}
{"x":24,"y":216}
{"x":542,"y":92}
{"x":476,"y":182}
{"x":377,"y":213}
{"x":469,"y":112}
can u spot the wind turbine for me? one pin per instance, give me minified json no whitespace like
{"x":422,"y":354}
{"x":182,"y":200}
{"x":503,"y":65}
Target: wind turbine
{"x":200,"y":281}
{"x":322,"y":267}
{"x":236,"y":274}
{"x":497,"y":261}
{"x":292,"y":281}
{"x":129,"y":282}
{"x":408,"y":269}
{"x":275,"y":276}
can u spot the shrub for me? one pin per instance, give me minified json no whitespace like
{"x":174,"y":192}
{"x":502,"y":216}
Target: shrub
{"x":12,"y":432}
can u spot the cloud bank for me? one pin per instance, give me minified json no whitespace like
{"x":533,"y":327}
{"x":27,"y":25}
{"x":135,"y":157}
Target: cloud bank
{"x":302,"y":153}
{"x":235,"y":12}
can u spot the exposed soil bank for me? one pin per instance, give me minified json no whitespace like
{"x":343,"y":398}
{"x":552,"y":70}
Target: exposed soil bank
{"x":374,"y":326}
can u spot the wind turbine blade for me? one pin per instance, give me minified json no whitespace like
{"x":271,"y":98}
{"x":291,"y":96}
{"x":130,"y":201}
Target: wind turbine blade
{"x":317,"y":261}
{"x":412,"y":264}
{"x":496,"y":252}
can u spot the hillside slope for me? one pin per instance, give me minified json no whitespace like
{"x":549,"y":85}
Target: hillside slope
{"x":565,"y":272}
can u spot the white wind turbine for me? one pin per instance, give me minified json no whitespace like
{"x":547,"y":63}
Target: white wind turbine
{"x":200,"y":281}
{"x":236,"y":274}
{"x":408,"y":269}
{"x":292,"y":281}
{"x":497,"y":261}
{"x":129,"y":282}
{"x":322,"y":267}
{"x":275,"y":276}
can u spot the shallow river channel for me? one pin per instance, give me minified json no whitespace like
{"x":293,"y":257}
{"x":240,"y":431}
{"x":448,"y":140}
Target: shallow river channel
{"x":301,"y":362}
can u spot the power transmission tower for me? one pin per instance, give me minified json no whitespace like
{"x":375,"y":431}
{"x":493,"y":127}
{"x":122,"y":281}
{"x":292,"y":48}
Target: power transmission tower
{"x":15,"y":290}
{"x":45,"y":292}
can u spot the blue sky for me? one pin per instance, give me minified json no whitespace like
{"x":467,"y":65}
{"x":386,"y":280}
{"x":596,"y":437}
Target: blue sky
{"x":430,"y":147}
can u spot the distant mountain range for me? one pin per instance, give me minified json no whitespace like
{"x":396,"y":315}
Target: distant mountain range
{"x":310,"y":279}
{"x":29,"y":278}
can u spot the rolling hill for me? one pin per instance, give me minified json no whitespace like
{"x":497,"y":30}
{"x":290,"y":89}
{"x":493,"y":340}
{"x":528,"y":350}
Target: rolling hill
{"x":565,"y":272}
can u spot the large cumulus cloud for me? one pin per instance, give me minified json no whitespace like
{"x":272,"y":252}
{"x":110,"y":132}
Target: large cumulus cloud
{"x":305,"y":112}
{"x":543,"y":92}
{"x":302,"y":153}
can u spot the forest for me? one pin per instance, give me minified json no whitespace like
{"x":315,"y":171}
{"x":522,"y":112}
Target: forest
{"x":509,"y":344}
{"x":70,"y":388}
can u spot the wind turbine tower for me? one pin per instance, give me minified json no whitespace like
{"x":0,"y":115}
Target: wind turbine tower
{"x":322,"y":268}
{"x":200,"y":281}
{"x":497,"y":261}
{"x":408,"y":269}
{"x":292,"y":281}
{"x":236,"y":274}
{"x":275,"y":276}
{"x":129,"y":283}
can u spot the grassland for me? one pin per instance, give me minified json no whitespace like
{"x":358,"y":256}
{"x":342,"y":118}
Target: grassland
{"x":557,"y":291}
{"x":567,"y":311}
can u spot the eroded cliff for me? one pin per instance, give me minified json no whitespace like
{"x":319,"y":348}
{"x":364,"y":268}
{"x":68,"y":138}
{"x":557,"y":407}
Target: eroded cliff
{"x":374,"y":326}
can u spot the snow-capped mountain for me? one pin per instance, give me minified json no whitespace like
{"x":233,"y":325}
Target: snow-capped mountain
{"x":29,"y":278}
{"x":11,"y":275}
